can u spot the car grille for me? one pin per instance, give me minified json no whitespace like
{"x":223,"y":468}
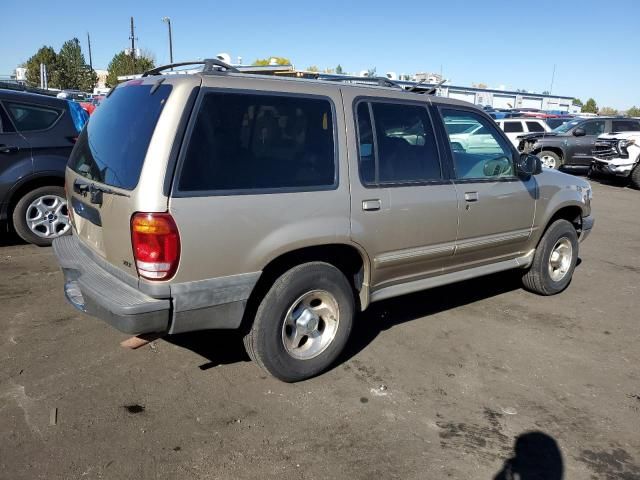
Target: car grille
{"x":606,"y":149}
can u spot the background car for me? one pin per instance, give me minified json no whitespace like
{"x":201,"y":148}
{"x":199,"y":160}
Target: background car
{"x":37,"y":134}
{"x":572,"y":144}
{"x":515,"y":127}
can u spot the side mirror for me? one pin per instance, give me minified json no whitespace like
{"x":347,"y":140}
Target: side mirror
{"x":528,"y":165}
{"x":579,"y":132}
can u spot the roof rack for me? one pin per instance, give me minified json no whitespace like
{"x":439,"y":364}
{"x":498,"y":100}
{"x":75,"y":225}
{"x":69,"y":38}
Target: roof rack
{"x":417,"y":87}
{"x":211,"y":65}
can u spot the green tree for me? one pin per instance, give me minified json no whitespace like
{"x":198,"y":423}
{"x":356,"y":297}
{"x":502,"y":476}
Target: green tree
{"x":71,"y":69}
{"x":122,"y":64}
{"x":577,"y":102}
{"x":590,"y":107}
{"x":371,"y":72}
{"x":313,"y":68}
{"x":609,"y":111}
{"x":267,"y":61}
{"x":633,"y":112}
{"x":46,"y":55}
{"x":339,"y":69}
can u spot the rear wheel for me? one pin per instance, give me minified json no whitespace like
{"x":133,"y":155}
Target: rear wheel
{"x":634,"y":178}
{"x":303,"y":322}
{"x":41,"y":215}
{"x":554,"y":260}
{"x":550,"y":159}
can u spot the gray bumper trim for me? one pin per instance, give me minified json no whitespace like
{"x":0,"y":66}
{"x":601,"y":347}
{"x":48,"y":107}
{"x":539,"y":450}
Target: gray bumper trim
{"x":97,"y":292}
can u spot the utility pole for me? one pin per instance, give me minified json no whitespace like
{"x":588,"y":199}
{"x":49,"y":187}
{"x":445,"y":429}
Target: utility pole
{"x":553,"y":76}
{"x":167,"y":20}
{"x":133,"y":45}
{"x":90,"y":59}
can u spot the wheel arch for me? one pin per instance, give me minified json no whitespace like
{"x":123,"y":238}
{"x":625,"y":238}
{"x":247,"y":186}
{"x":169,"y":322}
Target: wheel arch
{"x":557,"y":150}
{"x":350,"y":259}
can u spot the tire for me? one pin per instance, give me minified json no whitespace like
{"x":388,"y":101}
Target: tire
{"x":279,"y":346}
{"x":52,"y":201}
{"x":634,"y":178}
{"x":550,"y":159}
{"x":539,"y":278}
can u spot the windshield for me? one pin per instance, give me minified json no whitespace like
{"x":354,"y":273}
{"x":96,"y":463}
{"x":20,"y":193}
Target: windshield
{"x":112,"y":147}
{"x":565,"y":127}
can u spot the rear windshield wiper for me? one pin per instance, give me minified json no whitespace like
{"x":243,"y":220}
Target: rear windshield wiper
{"x":94,"y":191}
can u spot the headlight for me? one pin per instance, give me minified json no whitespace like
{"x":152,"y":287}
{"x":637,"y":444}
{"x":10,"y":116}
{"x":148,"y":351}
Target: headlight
{"x":623,"y":144}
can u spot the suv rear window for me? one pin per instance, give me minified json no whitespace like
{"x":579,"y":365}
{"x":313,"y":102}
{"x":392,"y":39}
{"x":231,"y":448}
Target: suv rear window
{"x":513,"y":127}
{"x":28,"y":118}
{"x":535,"y":127}
{"x":246,"y":142}
{"x":112,"y":147}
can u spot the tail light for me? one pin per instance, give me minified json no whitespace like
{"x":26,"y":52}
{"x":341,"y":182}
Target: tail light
{"x":156,"y":245}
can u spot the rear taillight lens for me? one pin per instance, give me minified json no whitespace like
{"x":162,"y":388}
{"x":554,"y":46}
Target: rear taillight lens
{"x":156,"y":245}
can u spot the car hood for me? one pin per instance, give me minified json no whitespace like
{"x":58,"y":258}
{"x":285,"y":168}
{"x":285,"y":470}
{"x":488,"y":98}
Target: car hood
{"x":532,"y":136}
{"x":619,"y":136}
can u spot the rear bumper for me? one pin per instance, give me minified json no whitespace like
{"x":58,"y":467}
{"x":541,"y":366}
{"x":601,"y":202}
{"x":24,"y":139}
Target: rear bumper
{"x":132,"y":306}
{"x":97,"y":292}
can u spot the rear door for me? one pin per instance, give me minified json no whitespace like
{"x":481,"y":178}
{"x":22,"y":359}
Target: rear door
{"x":496,"y":207}
{"x":404,"y":208}
{"x":513,"y":129}
{"x":15,"y":157}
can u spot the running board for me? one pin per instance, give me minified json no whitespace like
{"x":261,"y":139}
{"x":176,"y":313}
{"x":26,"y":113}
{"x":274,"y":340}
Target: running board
{"x":454,"y":277}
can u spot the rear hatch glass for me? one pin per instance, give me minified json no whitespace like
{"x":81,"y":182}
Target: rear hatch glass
{"x":112,"y":147}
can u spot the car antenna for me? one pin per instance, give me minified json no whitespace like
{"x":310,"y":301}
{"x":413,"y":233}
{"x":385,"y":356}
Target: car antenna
{"x":415,"y":87}
{"x":435,"y":87}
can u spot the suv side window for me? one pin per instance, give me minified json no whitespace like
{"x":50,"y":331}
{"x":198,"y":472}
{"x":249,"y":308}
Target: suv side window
{"x":5,"y":123}
{"x":595,"y":127}
{"x":243,"y":141}
{"x":534,"y":127}
{"x":625,"y":126}
{"x":480,"y":151}
{"x":29,"y":118}
{"x":513,"y":127}
{"x":399,"y":146}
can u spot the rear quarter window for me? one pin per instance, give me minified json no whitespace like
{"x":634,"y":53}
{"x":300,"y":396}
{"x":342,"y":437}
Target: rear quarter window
{"x":112,"y":147}
{"x":244,"y":142}
{"x":29,"y":118}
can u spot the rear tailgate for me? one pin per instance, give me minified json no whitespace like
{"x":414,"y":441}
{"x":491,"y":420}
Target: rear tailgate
{"x":119,"y":162}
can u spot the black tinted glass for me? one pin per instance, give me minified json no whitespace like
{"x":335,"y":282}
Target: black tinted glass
{"x":625,"y":126}
{"x":112,"y":147}
{"x":31,"y":117}
{"x":365,"y":144}
{"x":535,"y":127}
{"x":593,"y":128}
{"x":246,"y":142}
{"x":513,"y":127}
{"x":405,"y":148}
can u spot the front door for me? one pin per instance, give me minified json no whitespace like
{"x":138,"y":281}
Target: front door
{"x":496,"y":207}
{"x":583,"y":146}
{"x":403,"y":205}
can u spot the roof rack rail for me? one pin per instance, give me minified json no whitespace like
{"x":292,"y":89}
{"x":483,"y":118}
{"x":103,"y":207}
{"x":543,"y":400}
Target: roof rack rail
{"x":407,"y":86}
{"x":210,"y":65}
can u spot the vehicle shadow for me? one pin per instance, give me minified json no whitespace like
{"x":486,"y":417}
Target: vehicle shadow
{"x":536,"y":457}
{"x":9,"y":238}
{"x":383,"y":315}
{"x":611,"y":181}
{"x":219,"y":347}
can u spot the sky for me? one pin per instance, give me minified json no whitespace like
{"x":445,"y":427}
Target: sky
{"x":595,"y":45}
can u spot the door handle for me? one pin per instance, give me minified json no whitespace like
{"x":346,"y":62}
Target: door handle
{"x":471,"y":197}
{"x":371,"y":205}
{"x":8,"y":149}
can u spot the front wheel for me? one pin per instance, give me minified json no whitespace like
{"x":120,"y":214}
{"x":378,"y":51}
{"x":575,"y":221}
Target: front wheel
{"x":550,"y":159}
{"x":302,"y":323}
{"x":554,"y":261}
{"x":41,"y":215}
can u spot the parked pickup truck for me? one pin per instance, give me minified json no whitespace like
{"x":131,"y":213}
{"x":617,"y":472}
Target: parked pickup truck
{"x":618,"y":154}
{"x":572,"y":144}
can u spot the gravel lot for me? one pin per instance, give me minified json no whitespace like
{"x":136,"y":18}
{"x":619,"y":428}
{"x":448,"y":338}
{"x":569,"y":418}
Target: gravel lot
{"x":440,"y":384}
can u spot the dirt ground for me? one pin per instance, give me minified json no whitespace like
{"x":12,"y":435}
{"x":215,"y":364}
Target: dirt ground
{"x":471,"y":381}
